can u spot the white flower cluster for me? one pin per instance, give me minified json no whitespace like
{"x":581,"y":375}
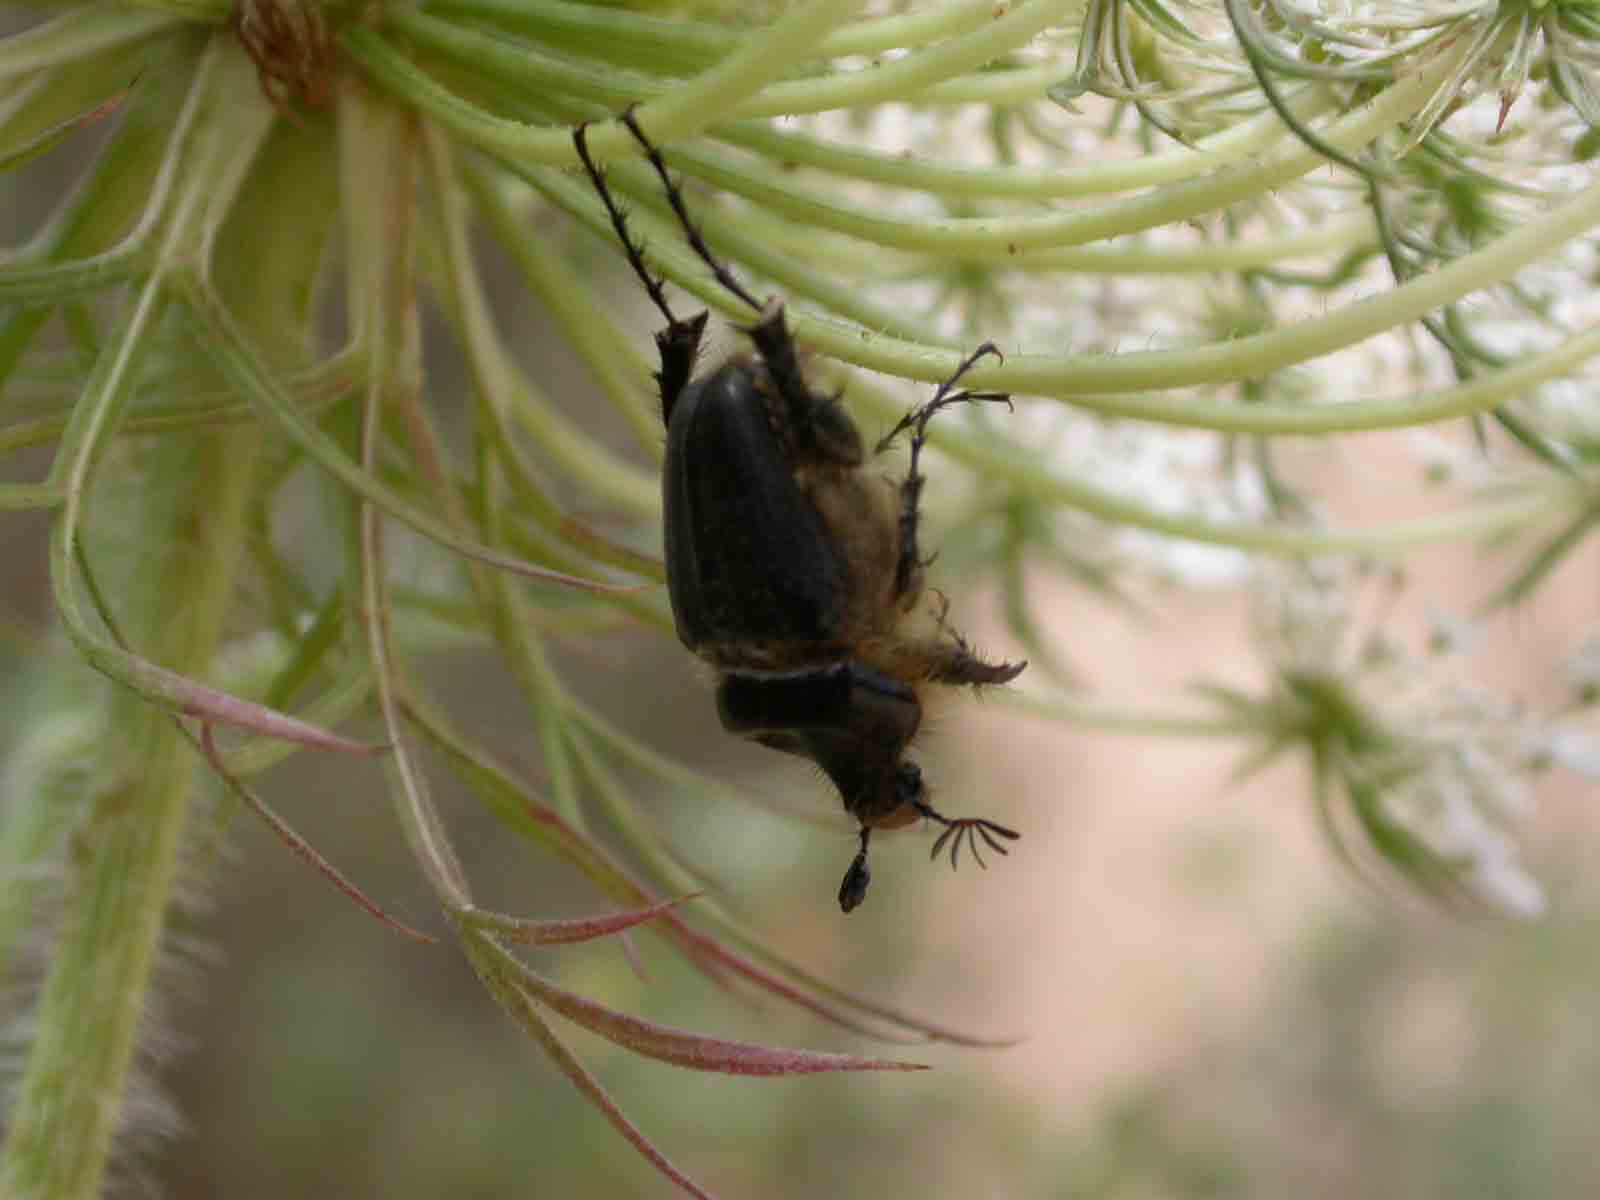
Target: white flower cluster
{"x":1440,"y":767}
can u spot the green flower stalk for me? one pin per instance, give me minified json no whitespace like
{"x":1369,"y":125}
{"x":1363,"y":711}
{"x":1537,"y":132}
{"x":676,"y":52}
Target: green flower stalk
{"x":1194,"y":229}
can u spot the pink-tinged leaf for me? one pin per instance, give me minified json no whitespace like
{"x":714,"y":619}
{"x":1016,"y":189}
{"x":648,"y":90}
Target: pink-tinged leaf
{"x":547,"y":827}
{"x":714,"y":959}
{"x":630,"y":951}
{"x":582,"y":852}
{"x":813,"y":995}
{"x":563,"y":932}
{"x":299,"y":847}
{"x":212,"y":706}
{"x":107,"y":107}
{"x":717,"y":961}
{"x":239,"y":358}
{"x":530,"y":1019}
{"x":189,"y":696}
{"x":606,"y":873}
{"x":52,"y":137}
{"x":600,"y":547}
{"x":693,"y":1050}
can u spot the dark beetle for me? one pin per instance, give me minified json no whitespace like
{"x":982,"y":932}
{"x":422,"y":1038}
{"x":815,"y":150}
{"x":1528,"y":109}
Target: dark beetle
{"x":793,"y":568}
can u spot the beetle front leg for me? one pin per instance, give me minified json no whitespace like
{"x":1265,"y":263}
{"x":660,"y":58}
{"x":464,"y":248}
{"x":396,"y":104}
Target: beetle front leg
{"x":958,"y":830}
{"x":911,"y":562}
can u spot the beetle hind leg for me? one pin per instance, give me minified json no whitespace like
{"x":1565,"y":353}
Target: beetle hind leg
{"x":691,"y":231}
{"x":822,"y":432}
{"x":679,"y":342}
{"x":653,"y":284}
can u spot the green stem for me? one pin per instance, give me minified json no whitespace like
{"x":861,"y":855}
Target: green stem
{"x":1543,"y":499}
{"x":1106,"y":718}
{"x":1238,"y":143}
{"x":917,"y":74}
{"x":1335,"y":234}
{"x":177,"y":532}
{"x":1005,"y":238}
{"x":1097,"y":381}
{"x":68,"y":1108}
{"x":684,"y":110}
{"x":231,"y":127}
{"x":378,"y":159}
{"x":1070,"y":376}
{"x":76,"y":34}
{"x":659,"y":43}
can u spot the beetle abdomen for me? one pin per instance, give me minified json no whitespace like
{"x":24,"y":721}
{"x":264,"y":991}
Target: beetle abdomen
{"x":750,"y":565}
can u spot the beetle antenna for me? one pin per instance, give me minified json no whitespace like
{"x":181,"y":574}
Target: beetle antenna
{"x":969,"y":830}
{"x":690,"y":231}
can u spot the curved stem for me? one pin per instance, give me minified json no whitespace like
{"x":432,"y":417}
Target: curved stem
{"x":679,"y":112}
{"x":913,"y":76}
{"x":621,"y":370}
{"x":76,"y":34}
{"x":378,"y":160}
{"x":1108,"y":718}
{"x":1070,"y":376}
{"x":1238,"y":143}
{"x":1007,"y":238}
{"x":1547,"y":498}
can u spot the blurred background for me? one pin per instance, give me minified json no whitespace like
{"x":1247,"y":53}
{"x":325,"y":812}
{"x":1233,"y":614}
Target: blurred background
{"x":1205,"y":1002}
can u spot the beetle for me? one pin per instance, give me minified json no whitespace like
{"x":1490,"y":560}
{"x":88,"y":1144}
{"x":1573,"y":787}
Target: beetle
{"x":793,"y":566}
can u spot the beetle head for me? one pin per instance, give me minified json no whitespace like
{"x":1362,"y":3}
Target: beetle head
{"x":879,"y":788}
{"x":900,"y":804}
{"x":910,"y":797}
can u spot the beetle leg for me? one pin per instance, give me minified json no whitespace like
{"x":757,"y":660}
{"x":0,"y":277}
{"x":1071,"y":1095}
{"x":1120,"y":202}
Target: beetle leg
{"x":919,"y":416}
{"x":968,"y":829}
{"x":911,"y":490}
{"x":690,"y":231}
{"x":951,"y":659}
{"x":619,"y":221}
{"x":679,"y":342}
{"x":822,"y":432}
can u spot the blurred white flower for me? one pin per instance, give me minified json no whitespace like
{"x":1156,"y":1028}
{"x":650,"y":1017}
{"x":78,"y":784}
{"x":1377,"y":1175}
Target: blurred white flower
{"x":1433,"y":774}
